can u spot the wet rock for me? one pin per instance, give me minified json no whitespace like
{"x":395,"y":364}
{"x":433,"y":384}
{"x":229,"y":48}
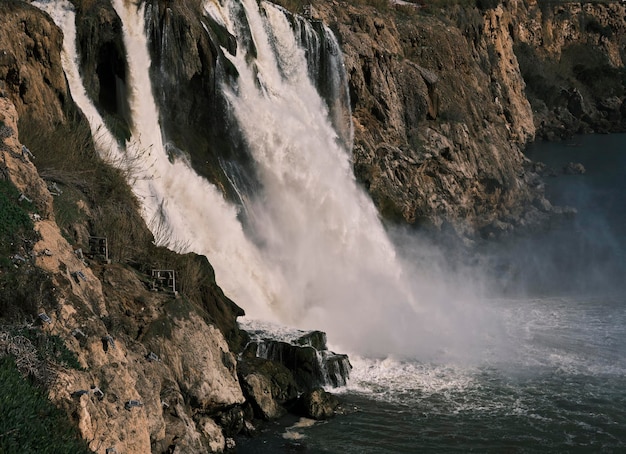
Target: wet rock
{"x":306,"y":357}
{"x":315,"y":339}
{"x":318,"y":404}
{"x":268,"y":386}
{"x":103,"y":63}
{"x":574,"y":168}
{"x":232,"y":421}
{"x":259,"y":390}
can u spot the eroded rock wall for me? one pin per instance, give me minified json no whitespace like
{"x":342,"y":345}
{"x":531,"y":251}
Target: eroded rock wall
{"x":440,"y":115}
{"x":572,"y":58}
{"x":444,"y":100}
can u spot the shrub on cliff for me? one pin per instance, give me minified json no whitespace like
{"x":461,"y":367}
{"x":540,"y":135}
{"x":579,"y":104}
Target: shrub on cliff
{"x":14,"y":219}
{"x":95,"y":197}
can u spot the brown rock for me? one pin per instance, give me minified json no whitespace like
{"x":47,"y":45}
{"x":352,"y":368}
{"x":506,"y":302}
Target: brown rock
{"x":30,"y":62}
{"x":16,"y":163}
{"x":318,"y":404}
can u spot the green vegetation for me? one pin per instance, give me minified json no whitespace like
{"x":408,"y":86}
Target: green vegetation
{"x":29,"y":422}
{"x":23,"y":289}
{"x":21,"y":285}
{"x":95,"y":198}
{"x":14,"y":219}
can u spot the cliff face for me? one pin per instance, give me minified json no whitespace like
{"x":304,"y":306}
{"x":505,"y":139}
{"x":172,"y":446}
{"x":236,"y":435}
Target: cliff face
{"x":443,"y":102}
{"x":132,"y":344}
{"x":572,"y":58}
{"x":440,"y":114}
{"x":30,"y":62}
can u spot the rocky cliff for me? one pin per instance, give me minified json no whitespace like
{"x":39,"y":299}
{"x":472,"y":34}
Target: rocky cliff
{"x":571,"y":56}
{"x":153,"y":374}
{"x":443,"y":102}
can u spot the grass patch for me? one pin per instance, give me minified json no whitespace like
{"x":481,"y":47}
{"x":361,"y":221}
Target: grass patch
{"x":22,"y":291}
{"x":22,"y":286}
{"x":96,"y":196}
{"x":29,"y":422}
{"x":175,"y":309}
{"x":14,"y":218}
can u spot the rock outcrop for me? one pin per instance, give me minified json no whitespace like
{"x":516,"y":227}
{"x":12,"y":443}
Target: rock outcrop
{"x":318,"y":404}
{"x":275,"y":372}
{"x":269,"y":385}
{"x":31,"y":75}
{"x":16,"y":162}
{"x":306,"y":356}
{"x":443,"y":100}
{"x":572,"y":58}
{"x":153,"y":372}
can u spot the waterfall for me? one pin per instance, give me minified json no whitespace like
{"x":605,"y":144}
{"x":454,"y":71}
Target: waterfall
{"x":313,"y":253}
{"x":315,"y":224}
{"x":326,"y":69}
{"x":183,"y":210}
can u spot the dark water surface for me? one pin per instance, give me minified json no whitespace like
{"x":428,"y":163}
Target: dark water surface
{"x":559,"y":386}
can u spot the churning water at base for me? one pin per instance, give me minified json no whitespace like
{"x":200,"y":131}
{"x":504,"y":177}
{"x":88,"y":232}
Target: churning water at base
{"x":560,"y":384}
{"x":563,"y":390}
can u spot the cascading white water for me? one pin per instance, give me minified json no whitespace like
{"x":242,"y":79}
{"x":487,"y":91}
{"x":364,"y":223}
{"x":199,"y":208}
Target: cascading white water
{"x":184,"y":211}
{"x":316,"y":225}
{"x":323,"y":57}
{"x":321,"y":257}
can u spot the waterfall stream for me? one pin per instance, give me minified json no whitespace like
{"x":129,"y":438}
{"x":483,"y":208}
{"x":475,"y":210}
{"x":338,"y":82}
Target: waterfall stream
{"x":313,"y":253}
{"x":184,"y":211}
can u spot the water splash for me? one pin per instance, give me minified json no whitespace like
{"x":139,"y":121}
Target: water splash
{"x":314,"y":253}
{"x":183,"y":210}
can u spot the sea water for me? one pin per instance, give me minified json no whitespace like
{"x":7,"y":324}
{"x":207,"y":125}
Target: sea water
{"x":561,"y":384}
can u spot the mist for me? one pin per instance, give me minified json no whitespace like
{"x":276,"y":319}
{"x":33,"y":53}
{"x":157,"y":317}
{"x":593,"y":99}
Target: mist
{"x":579,"y":254}
{"x":308,"y":249}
